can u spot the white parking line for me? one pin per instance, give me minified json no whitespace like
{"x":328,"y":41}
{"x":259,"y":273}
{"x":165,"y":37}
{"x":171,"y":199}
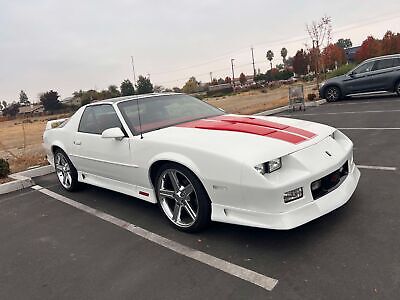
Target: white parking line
{"x":377,"y":168}
{"x":364,"y":102}
{"x":258,"y":279}
{"x":347,"y":112}
{"x":369,"y":128}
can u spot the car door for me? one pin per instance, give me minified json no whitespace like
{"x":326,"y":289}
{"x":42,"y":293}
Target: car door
{"x":102,"y":158}
{"x":382,"y":74}
{"x":359,"y":80}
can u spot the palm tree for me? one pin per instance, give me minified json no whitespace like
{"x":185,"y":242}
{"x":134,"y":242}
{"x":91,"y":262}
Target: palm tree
{"x":270,"y":56}
{"x":284,"y":54}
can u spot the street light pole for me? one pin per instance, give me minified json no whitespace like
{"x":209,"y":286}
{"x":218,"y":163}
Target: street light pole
{"x":233,"y":73}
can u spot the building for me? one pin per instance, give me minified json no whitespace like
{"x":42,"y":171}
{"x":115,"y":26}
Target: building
{"x":71,"y":101}
{"x":351,"y":53}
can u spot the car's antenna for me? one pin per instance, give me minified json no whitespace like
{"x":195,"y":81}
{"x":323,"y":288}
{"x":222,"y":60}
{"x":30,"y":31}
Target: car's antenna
{"x":137,"y":99}
{"x":140,"y":121}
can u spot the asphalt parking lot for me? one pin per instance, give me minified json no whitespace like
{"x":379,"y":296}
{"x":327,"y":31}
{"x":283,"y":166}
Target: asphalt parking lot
{"x":50,"y":249}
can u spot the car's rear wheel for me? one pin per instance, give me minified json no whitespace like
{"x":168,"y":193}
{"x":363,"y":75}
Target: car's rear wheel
{"x":332,"y":94}
{"x":66,"y":172}
{"x":182,"y":198}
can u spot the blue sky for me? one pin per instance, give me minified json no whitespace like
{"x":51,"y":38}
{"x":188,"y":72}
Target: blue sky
{"x":72,"y":45}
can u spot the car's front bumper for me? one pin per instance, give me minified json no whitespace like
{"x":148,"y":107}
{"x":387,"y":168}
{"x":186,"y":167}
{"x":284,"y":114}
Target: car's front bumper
{"x":296,"y":217}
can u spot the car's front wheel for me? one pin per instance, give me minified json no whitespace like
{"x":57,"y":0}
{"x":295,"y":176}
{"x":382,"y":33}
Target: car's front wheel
{"x":66,"y":172}
{"x":332,"y":94}
{"x":182,"y":198}
{"x":397,"y":88}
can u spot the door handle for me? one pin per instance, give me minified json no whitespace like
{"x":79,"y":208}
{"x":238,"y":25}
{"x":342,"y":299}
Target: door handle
{"x":78,"y":143}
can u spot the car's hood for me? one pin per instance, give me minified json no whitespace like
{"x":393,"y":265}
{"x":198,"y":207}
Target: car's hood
{"x":251,"y":139}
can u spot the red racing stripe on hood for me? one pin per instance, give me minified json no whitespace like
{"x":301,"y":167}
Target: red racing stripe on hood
{"x":251,"y":125}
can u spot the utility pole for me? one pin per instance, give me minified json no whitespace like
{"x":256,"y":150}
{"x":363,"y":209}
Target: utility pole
{"x":211,"y":79}
{"x":233,"y":73}
{"x":133,"y":70}
{"x":254,"y":66}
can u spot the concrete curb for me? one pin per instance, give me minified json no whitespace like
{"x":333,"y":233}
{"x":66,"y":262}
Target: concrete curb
{"x":24,"y":179}
{"x":285,"y":108}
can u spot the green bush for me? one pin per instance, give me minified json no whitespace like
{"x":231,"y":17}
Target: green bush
{"x":341,"y":71}
{"x":4,"y":168}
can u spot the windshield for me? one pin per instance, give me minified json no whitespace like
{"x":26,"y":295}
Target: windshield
{"x":163,"y":111}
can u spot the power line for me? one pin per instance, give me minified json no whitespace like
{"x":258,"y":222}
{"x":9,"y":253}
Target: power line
{"x":272,"y":43}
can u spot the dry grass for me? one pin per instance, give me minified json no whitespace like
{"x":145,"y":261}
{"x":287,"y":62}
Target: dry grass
{"x":254,"y":101}
{"x":5,"y":180}
{"x":27,"y":161}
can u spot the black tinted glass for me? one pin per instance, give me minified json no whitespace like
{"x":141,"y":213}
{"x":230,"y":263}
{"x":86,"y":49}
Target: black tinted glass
{"x":163,"y":111}
{"x":96,"y":119}
{"x":383,"y":64}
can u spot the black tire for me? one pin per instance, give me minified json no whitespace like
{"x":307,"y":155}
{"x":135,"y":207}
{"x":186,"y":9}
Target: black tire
{"x":71,"y":183}
{"x":397,"y":88}
{"x":332,"y":94}
{"x":195,"y":201}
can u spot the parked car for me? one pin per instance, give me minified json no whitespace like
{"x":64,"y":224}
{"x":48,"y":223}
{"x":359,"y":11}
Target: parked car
{"x":379,"y":74}
{"x":200,"y":164}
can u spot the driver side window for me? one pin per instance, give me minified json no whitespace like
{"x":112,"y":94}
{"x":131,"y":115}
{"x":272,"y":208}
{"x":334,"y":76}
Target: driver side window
{"x":367,"y":67}
{"x":97,"y":118}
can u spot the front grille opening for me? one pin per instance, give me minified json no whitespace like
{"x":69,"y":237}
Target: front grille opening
{"x":330,"y":182}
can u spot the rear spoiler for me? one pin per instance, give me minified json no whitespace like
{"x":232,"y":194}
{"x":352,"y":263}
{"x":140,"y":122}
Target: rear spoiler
{"x":55,"y":123}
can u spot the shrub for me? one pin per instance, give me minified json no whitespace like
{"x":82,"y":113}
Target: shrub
{"x":311,"y":97}
{"x":340,"y":71}
{"x":4,"y":168}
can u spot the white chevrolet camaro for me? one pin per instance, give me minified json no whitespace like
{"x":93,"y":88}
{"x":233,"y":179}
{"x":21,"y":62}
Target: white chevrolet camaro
{"x":200,"y":164}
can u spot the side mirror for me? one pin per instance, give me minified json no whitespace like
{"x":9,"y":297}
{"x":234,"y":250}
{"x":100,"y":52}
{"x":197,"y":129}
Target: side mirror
{"x":351,"y":74}
{"x":113,"y":133}
{"x":221,"y":109}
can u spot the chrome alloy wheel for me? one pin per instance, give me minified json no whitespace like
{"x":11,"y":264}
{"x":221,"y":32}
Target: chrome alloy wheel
{"x":332,"y":94}
{"x":63,"y":170}
{"x":178,"y":198}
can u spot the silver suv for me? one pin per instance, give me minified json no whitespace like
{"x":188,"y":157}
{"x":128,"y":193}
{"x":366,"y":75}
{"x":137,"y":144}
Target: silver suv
{"x":378,"y":74}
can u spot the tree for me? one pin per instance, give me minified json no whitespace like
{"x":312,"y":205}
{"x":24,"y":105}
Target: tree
{"x":127,"y":88}
{"x":320,"y":34}
{"x":113,"y":92}
{"x":23,"y":98}
{"x":50,"y":101}
{"x":391,"y":43}
{"x":270,"y":56}
{"x":333,"y":56}
{"x":11,"y":110}
{"x":159,"y":89}
{"x":344,"y":43}
{"x":144,"y":85}
{"x":228,"y":79}
{"x":371,"y":47}
{"x":176,"y":89}
{"x":242,"y":78}
{"x":191,"y":86}
{"x":280,"y":67}
{"x":284,"y":54}
{"x":300,"y":62}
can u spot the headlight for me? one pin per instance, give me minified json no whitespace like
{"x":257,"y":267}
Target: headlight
{"x":269,"y":166}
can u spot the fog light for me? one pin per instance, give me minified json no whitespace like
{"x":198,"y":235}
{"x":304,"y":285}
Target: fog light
{"x":293,"y":195}
{"x":316,"y":185}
